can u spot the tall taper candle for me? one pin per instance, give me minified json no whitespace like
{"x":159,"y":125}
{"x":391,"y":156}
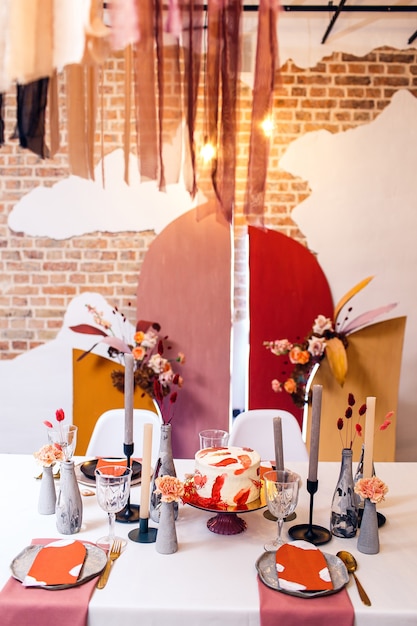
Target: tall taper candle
{"x":315,"y":432}
{"x":146,"y":471}
{"x":279,"y":451}
{"x":129,"y":368}
{"x":368,"y":455}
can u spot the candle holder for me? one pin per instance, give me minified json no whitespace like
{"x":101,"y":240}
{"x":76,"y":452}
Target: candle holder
{"x":310,"y":532}
{"x":130,"y":513}
{"x":143,"y":534}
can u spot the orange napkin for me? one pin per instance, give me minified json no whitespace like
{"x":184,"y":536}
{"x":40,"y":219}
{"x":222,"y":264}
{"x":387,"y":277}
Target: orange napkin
{"x":57,"y":563}
{"x":301,"y":566}
{"x":118,"y":465}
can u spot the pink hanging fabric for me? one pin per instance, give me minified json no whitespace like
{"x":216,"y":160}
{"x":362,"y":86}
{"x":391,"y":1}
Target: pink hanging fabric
{"x":223,"y":53}
{"x":124,"y":23}
{"x":265,"y":67}
{"x":193,"y":27}
{"x":145,"y":96}
{"x":174,"y":24}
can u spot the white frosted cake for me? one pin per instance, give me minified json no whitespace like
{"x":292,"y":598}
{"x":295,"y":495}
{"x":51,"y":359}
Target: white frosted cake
{"x":228,"y":475}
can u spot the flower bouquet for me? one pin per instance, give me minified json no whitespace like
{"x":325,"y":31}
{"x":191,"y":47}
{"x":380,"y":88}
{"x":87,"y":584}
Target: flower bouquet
{"x":327,"y":339}
{"x":153,"y":369}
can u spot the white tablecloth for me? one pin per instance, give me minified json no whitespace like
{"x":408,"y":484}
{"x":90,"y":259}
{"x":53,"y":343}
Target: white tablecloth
{"x":212,"y":579}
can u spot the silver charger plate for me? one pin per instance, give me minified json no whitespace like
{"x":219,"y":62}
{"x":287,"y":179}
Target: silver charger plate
{"x":95,"y":562}
{"x":266,"y":566}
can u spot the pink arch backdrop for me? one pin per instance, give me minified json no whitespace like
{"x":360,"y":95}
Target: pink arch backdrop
{"x":185,"y":285}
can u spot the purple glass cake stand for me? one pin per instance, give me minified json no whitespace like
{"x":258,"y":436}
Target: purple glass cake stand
{"x":226,"y":521}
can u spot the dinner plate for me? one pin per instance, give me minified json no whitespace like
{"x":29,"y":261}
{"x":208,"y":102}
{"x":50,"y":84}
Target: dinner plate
{"x":91,"y":482}
{"x":95,"y":562}
{"x":266,"y":566}
{"x":88,"y":468}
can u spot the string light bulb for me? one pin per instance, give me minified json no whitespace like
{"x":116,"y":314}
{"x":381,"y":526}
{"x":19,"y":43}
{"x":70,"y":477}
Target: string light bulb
{"x":267,"y":125}
{"x":207,"y":151}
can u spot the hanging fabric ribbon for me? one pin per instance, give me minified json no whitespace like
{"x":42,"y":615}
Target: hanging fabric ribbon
{"x":144,"y":70}
{"x":159,"y":37}
{"x":193,"y":15}
{"x":31,"y":106}
{"x":265,"y":67}
{"x":124,"y":23}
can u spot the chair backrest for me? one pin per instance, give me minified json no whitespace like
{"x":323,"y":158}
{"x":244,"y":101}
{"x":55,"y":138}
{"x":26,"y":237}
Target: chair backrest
{"x":254,"y":429}
{"x":108,"y":434}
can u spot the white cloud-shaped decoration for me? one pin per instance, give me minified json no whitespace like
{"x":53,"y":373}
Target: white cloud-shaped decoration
{"x":75,"y":206}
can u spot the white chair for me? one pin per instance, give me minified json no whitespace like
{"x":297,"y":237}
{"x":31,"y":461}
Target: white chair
{"x":108,"y":434}
{"x":254,"y":429}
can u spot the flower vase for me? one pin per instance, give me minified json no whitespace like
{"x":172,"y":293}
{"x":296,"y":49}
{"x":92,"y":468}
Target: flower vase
{"x":69,"y":506}
{"x":344,"y":510}
{"x":368,"y":540}
{"x":166,"y":537}
{"x":163,"y":467}
{"x":47,"y":495}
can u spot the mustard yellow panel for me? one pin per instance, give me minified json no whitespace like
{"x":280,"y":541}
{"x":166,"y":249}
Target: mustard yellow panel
{"x":93,"y":393}
{"x":374,"y":365}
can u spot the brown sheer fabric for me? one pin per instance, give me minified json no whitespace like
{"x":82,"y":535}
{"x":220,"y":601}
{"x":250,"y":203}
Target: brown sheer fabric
{"x":128,"y":105}
{"x":266,"y":64}
{"x":229,"y":79}
{"x":31,"y":107}
{"x":77,"y":120}
{"x":53,"y":111}
{"x":145,"y":93}
{"x":159,"y":37}
{"x":192,"y":26}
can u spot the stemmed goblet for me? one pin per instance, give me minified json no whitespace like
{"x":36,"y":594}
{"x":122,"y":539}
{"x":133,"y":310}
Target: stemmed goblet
{"x":66,"y":437}
{"x":112,"y":488}
{"x":281,"y":491}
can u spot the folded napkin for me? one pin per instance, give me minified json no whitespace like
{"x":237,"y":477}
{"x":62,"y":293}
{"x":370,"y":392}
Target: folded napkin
{"x":301,"y":566}
{"x":281,"y":608}
{"x":118,"y":465}
{"x":57,"y":563}
{"x":20,"y":606}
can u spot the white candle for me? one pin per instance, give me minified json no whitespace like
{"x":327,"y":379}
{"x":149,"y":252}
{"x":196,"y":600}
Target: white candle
{"x":129,"y":368}
{"x":146,"y":471}
{"x":315,"y":432}
{"x":369,"y":437}
{"x":279,"y":452}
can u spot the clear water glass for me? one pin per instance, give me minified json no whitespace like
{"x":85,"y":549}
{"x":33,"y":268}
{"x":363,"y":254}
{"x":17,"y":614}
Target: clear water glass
{"x":281,"y":492}
{"x":112,"y":489}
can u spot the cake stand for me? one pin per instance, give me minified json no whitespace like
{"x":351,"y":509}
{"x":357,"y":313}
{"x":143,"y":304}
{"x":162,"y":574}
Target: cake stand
{"x":227,"y":521}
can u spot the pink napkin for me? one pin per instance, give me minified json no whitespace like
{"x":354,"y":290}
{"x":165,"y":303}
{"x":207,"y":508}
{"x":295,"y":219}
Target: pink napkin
{"x":280,"y":608}
{"x":32,"y":606}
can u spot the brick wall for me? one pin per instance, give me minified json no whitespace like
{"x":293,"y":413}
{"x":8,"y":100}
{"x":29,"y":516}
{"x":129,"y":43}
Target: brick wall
{"x":40,"y":276}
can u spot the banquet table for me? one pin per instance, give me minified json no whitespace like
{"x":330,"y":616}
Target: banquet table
{"x":212,"y":579}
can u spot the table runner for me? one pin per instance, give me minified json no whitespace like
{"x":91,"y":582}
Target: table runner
{"x":32,"y":606}
{"x":280,"y":608}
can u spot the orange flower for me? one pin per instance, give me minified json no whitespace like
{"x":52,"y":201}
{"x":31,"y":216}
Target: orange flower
{"x":372,"y":488}
{"x":297,"y":355}
{"x":139,"y":336}
{"x":290,"y":385}
{"x":48,"y":455}
{"x":138,"y":353}
{"x":170,"y":487}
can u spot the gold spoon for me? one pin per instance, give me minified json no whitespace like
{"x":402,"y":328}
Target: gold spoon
{"x":351,"y":566}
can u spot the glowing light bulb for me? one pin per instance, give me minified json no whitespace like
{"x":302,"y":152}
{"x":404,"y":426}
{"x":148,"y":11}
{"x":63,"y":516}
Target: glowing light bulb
{"x":207,"y":152}
{"x":268,"y":126}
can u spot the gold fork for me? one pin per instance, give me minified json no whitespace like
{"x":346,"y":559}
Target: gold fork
{"x":114,"y":554}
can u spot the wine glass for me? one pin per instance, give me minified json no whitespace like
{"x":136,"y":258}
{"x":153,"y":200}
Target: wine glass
{"x":112,"y":488}
{"x":281,"y":490}
{"x":66,"y":437}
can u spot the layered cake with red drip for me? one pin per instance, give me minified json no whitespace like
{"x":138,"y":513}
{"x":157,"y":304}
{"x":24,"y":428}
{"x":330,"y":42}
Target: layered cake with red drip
{"x":229,"y":476}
